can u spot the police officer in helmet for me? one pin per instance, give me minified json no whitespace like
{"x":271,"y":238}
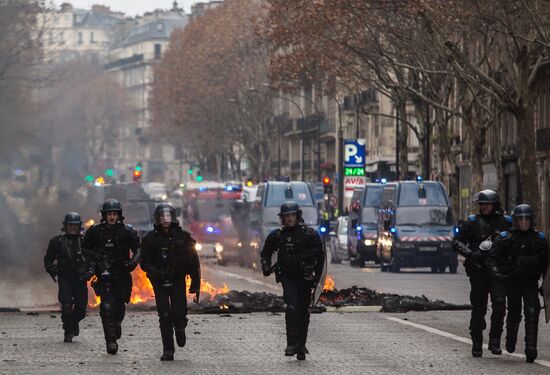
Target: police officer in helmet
{"x":520,"y":258}
{"x":109,"y":244}
{"x":300,"y":260}
{"x":475,"y":235}
{"x":168,"y":256}
{"x":64,"y":260}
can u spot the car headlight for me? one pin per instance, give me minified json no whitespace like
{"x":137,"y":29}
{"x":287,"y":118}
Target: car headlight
{"x":254,"y":244}
{"x":405,"y":245}
{"x":218,"y":247}
{"x":370,"y":242}
{"x":239,"y":244}
{"x":198,"y":247}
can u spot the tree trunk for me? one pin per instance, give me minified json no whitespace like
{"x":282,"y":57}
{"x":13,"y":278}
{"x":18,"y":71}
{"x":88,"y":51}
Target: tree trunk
{"x":402,"y":141}
{"x":478,"y":140}
{"x":527,"y":162}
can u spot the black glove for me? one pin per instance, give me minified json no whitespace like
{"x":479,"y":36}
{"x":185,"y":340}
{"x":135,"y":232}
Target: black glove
{"x":541,"y":291}
{"x":87,"y":275}
{"x":52,"y":270}
{"x":131,"y":265}
{"x":266,"y":269}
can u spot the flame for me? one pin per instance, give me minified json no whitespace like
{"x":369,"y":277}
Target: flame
{"x":329,"y":284}
{"x":143,"y":293}
{"x":89,"y":223}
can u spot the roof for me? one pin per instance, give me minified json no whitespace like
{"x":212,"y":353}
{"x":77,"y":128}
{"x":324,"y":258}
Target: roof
{"x":160,"y":28}
{"x":88,"y":18}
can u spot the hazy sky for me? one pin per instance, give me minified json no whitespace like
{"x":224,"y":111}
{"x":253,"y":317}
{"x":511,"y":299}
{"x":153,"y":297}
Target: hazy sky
{"x":132,"y":7}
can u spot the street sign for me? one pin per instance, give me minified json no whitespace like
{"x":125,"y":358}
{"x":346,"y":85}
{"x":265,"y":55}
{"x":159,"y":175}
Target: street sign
{"x":354,"y":171}
{"x":354,"y":153}
{"x":352,"y":181}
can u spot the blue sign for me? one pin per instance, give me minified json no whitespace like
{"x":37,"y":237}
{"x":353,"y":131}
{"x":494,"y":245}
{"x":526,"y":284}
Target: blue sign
{"x":354,"y":153}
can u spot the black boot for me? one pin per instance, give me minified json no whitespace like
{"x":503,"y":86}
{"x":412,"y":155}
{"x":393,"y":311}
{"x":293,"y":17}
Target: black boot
{"x":180,"y":323}
{"x":531,"y":332}
{"x":167,"y":334}
{"x":512,"y":327}
{"x":302,"y":334}
{"x":112,"y":347}
{"x":477,"y":347}
{"x":76,"y":328}
{"x":494,"y":346}
{"x":68,"y":337}
{"x":291,"y":322}
{"x":118,"y":330}
{"x":109,"y":332}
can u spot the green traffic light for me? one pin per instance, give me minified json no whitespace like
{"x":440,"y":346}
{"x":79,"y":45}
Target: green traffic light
{"x":190,"y":171}
{"x":109,"y":172}
{"x":138,"y":167}
{"x":89,"y":178}
{"x":199,"y":178}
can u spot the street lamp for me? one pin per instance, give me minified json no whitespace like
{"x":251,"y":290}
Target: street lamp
{"x":252,"y":89}
{"x":267,"y":85}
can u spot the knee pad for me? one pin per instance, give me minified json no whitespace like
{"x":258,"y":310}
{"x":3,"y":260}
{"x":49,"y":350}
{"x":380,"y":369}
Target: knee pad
{"x":66,"y":308}
{"x":532,"y":313}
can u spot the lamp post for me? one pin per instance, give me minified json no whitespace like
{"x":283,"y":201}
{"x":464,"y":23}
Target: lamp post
{"x":302,"y":130}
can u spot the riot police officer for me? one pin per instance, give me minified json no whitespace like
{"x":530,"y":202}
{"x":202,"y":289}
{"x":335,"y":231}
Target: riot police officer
{"x":520,"y":258}
{"x":64,"y":260}
{"x":168,"y":256}
{"x":473,"y":240}
{"x":109,"y":243}
{"x":300,"y":260}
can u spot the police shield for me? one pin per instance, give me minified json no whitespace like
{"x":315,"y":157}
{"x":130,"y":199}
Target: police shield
{"x":319,"y":289}
{"x":546,"y":294}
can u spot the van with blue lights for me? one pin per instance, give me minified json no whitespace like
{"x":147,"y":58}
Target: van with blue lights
{"x":363,"y":223}
{"x":416,"y":230}
{"x":272,"y":194}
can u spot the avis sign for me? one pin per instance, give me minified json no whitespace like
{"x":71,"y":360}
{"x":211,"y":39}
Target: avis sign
{"x":354,"y":153}
{"x":352,"y":181}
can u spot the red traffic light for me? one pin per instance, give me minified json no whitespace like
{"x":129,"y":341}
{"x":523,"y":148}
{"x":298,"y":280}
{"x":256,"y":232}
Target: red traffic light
{"x":326,"y":180}
{"x":137,"y":173}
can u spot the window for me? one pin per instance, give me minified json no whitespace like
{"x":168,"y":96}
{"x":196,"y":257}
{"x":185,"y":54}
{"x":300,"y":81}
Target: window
{"x":160,"y":26}
{"x":158,"y":51}
{"x":92,"y":37}
{"x":80,"y":41}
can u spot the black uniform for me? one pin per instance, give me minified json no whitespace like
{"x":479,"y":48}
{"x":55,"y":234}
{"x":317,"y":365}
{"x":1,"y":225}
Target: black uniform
{"x":473,"y":231}
{"x":521,"y":258}
{"x":168,"y":258}
{"x":65,"y":260}
{"x":300,"y":260}
{"x":109,"y":247}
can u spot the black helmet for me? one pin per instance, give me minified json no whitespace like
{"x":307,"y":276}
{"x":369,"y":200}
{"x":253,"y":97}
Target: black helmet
{"x":290,"y":207}
{"x":487,"y":196}
{"x":523,"y":210}
{"x":112,"y":205}
{"x":72,"y":218}
{"x":166,"y":208}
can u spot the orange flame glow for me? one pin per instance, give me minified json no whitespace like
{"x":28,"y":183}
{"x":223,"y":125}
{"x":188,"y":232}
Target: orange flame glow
{"x":89,"y":223}
{"x":329,"y":284}
{"x":143,"y":293}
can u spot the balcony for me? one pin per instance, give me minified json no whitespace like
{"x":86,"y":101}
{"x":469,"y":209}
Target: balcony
{"x":543,"y":139}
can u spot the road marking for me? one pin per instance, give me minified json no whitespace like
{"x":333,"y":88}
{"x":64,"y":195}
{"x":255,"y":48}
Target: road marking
{"x":248,"y":279}
{"x":458,"y":338}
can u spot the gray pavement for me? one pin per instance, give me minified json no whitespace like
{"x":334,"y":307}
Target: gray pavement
{"x":360,"y":343}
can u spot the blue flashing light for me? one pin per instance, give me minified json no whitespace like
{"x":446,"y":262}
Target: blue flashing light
{"x":203,"y":189}
{"x":393,"y":230}
{"x":229,"y":188}
{"x":210,"y":229}
{"x":456,"y":230}
{"x":419,"y":178}
{"x":358,"y":228}
{"x":384,"y":181}
{"x":323,"y":229}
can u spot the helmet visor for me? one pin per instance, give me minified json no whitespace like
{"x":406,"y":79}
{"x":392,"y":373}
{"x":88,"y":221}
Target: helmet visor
{"x":166,"y":215}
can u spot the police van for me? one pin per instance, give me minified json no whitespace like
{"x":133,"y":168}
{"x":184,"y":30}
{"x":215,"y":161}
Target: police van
{"x":416,"y":229}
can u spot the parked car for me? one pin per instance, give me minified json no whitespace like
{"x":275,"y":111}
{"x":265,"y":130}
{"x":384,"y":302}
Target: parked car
{"x":338,"y":244}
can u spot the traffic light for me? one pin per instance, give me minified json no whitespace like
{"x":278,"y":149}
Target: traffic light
{"x":249,"y":183}
{"x":136,"y":176}
{"x":89,"y":178}
{"x":190,"y":171}
{"x":109,"y":172}
{"x":199,"y":176}
{"x":327,"y":185}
